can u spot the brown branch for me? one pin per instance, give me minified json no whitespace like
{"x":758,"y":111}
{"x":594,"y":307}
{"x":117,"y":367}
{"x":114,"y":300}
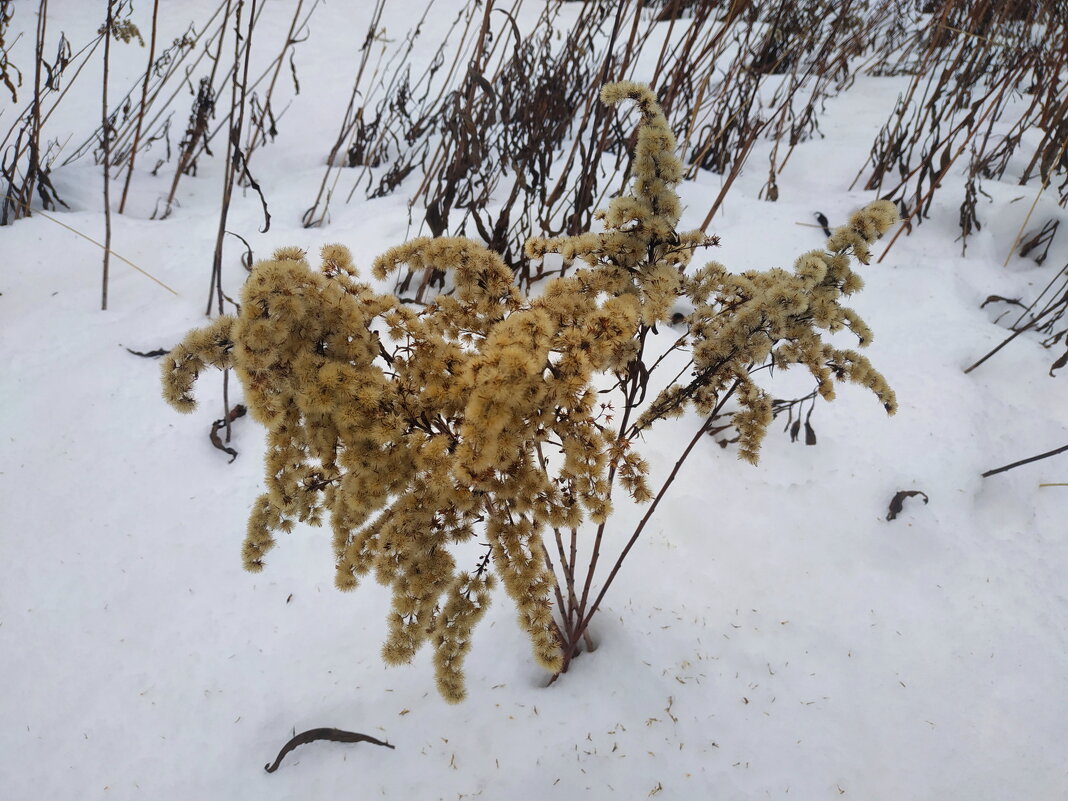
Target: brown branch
{"x":105,"y":141}
{"x":143,"y":106}
{"x":1045,"y":455}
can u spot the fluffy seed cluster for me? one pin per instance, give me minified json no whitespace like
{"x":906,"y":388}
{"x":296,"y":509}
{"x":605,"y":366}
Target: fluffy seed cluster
{"x":419,"y":433}
{"x":745,"y":320}
{"x":739,"y":321}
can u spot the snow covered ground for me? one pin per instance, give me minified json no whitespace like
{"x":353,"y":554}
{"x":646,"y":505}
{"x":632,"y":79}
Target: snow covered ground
{"x":772,"y":636}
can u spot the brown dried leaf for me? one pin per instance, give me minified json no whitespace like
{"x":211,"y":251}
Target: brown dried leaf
{"x":898,"y":501}
{"x":334,"y":735}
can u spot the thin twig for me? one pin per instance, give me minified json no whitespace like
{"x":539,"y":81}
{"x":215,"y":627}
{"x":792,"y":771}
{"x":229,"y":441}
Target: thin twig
{"x":141,"y":109}
{"x":105,"y":134}
{"x":238,"y":88}
{"x":1045,"y":455}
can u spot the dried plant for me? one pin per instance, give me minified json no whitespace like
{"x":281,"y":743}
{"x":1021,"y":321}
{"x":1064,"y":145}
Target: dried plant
{"x":545,"y":155}
{"x":195,"y":140}
{"x":140,"y":116}
{"x":1044,"y":315}
{"x":481,"y":417}
{"x":26,"y":160}
{"x":972,"y":62}
{"x":123,"y":30}
{"x":106,"y":129}
{"x":9,"y":73}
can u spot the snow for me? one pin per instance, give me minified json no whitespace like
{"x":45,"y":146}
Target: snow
{"x":771,"y":636}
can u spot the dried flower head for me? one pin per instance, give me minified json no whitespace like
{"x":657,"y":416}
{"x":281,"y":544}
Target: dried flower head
{"x":478,"y":417}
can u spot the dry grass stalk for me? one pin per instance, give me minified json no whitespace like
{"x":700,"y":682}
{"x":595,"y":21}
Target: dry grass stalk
{"x":105,"y":144}
{"x":140,"y":115}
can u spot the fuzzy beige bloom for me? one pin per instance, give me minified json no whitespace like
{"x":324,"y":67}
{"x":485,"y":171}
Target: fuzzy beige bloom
{"x":421,"y":433}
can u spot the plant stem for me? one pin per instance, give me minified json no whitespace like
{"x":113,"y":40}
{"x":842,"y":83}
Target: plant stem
{"x":631,"y":394}
{"x":1045,"y":455}
{"x":105,"y":132}
{"x":237,"y":120}
{"x":580,"y":629}
{"x":141,"y":110}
